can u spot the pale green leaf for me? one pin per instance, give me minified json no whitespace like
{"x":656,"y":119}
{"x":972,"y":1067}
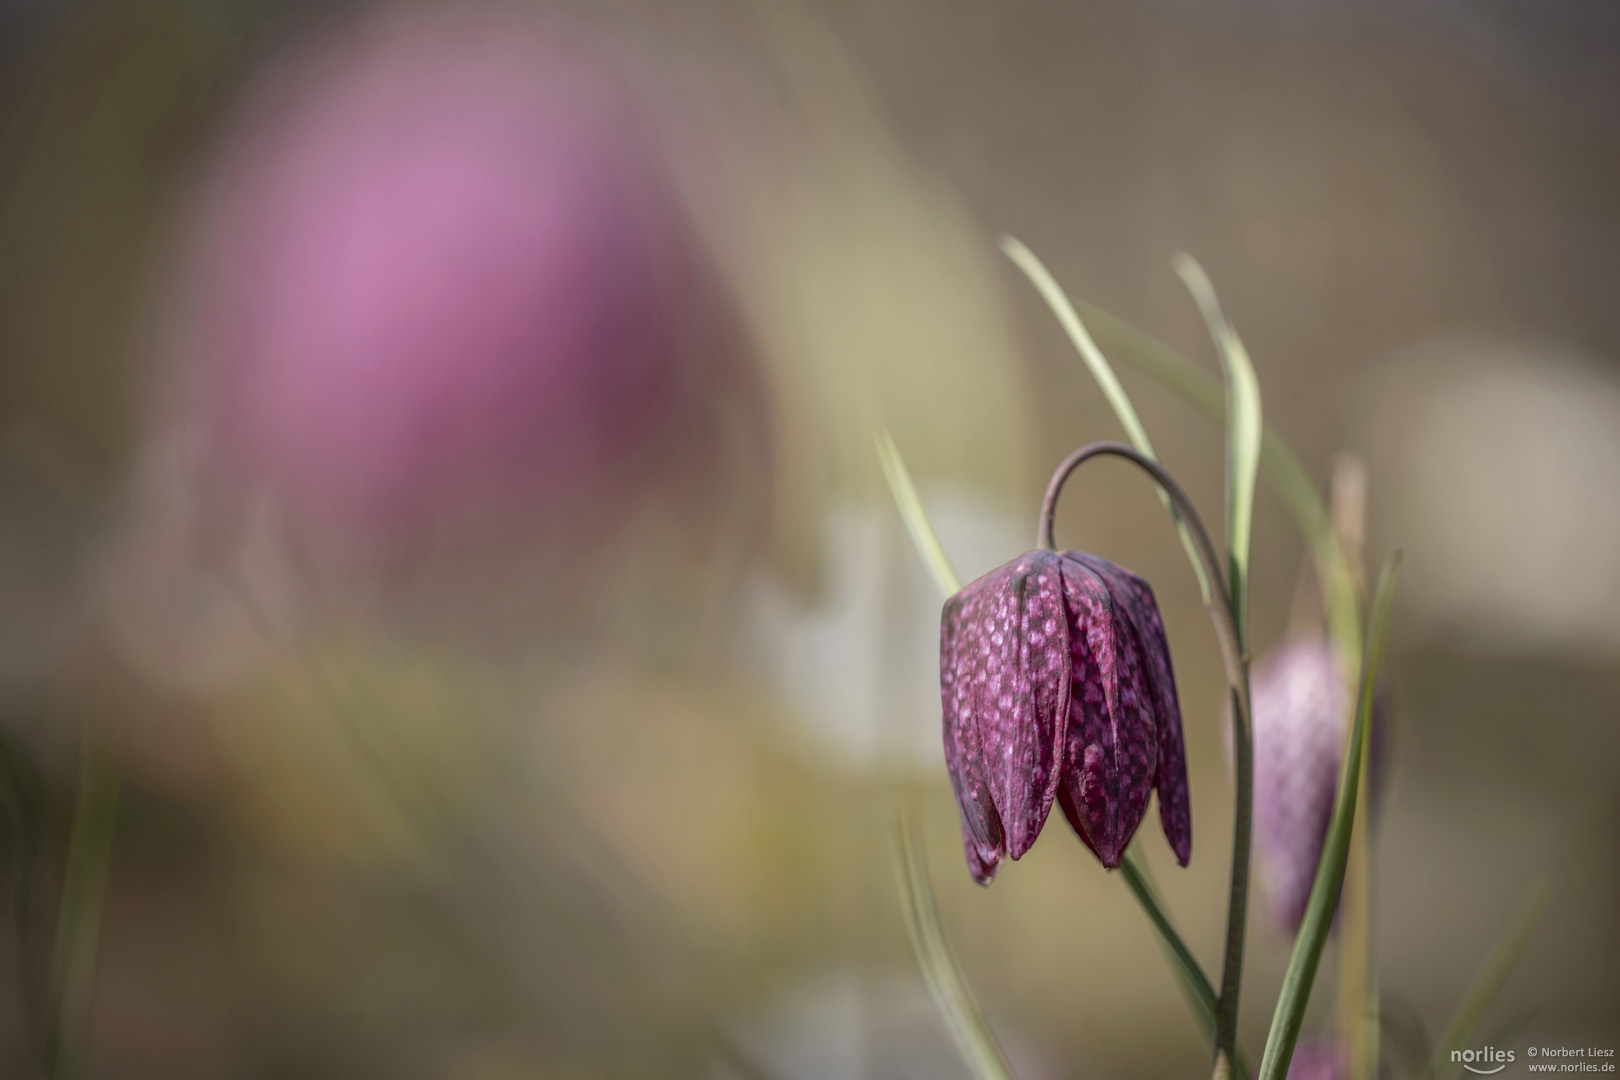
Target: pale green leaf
{"x":1243,"y":435}
{"x":916,"y":518}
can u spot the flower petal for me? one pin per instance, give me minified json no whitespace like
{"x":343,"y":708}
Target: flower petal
{"x":1118,"y":751}
{"x":964,"y":755}
{"x":1135,"y":597}
{"x":1004,"y":683}
{"x":983,"y":862}
{"x":1089,"y":776}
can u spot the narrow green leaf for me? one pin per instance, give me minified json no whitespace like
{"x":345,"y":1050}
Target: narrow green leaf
{"x":1488,"y":983}
{"x":969,"y":1029}
{"x":1045,"y":284}
{"x":916,"y":518}
{"x":1243,"y":436}
{"x":1313,"y":931}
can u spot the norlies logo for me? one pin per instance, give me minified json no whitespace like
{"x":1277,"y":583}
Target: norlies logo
{"x":1481,"y":1061}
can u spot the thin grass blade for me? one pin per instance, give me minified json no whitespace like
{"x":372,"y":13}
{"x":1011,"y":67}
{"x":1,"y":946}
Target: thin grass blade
{"x":1488,"y":983}
{"x":1243,"y":435}
{"x":912,"y":513}
{"x":974,"y":1038}
{"x":78,"y":933}
{"x":21,"y":802}
{"x":1313,"y":932}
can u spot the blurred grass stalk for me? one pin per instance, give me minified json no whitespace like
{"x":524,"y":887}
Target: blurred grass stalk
{"x":21,"y":799}
{"x":1488,"y":983}
{"x":974,"y":1038}
{"x":78,"y":931}
{"x":1357,"y":987}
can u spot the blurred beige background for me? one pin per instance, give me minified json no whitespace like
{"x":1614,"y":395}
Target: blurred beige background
{"x":627,"y":811}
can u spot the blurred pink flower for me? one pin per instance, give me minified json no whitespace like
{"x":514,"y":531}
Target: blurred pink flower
{"x":1316,"y":1060}
{"x":1301,"y":705}
{"x":444,"y":288}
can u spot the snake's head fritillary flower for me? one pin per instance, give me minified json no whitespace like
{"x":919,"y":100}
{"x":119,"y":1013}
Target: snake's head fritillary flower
{"x":1056,"y":682}
{"x":1301,"y":706}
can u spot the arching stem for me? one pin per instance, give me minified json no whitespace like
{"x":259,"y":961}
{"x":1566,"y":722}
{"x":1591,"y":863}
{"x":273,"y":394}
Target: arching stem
{"x":1237,"y":677}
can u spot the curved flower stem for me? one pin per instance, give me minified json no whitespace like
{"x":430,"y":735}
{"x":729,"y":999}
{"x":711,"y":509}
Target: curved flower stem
{"x":1237,"y":676}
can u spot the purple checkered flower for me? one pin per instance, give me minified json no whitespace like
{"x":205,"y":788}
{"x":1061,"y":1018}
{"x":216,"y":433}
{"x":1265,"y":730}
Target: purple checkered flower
{"x":1056,"y":683}
{"x":1301,"y":704}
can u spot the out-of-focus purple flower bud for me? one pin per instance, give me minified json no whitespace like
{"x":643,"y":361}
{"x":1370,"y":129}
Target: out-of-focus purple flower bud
{"x":1056,"y":682}
{"x":443,"y":286}
{"x":1316,"y":1061}
{"x":1301,"y":703}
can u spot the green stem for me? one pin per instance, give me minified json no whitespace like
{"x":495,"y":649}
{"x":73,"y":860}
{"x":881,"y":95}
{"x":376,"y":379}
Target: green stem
{"x":1219,"y":606}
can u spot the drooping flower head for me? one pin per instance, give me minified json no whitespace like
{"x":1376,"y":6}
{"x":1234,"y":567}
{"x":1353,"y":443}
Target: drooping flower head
{"x":1057,"y":685}
{"x":1301,"y":704}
